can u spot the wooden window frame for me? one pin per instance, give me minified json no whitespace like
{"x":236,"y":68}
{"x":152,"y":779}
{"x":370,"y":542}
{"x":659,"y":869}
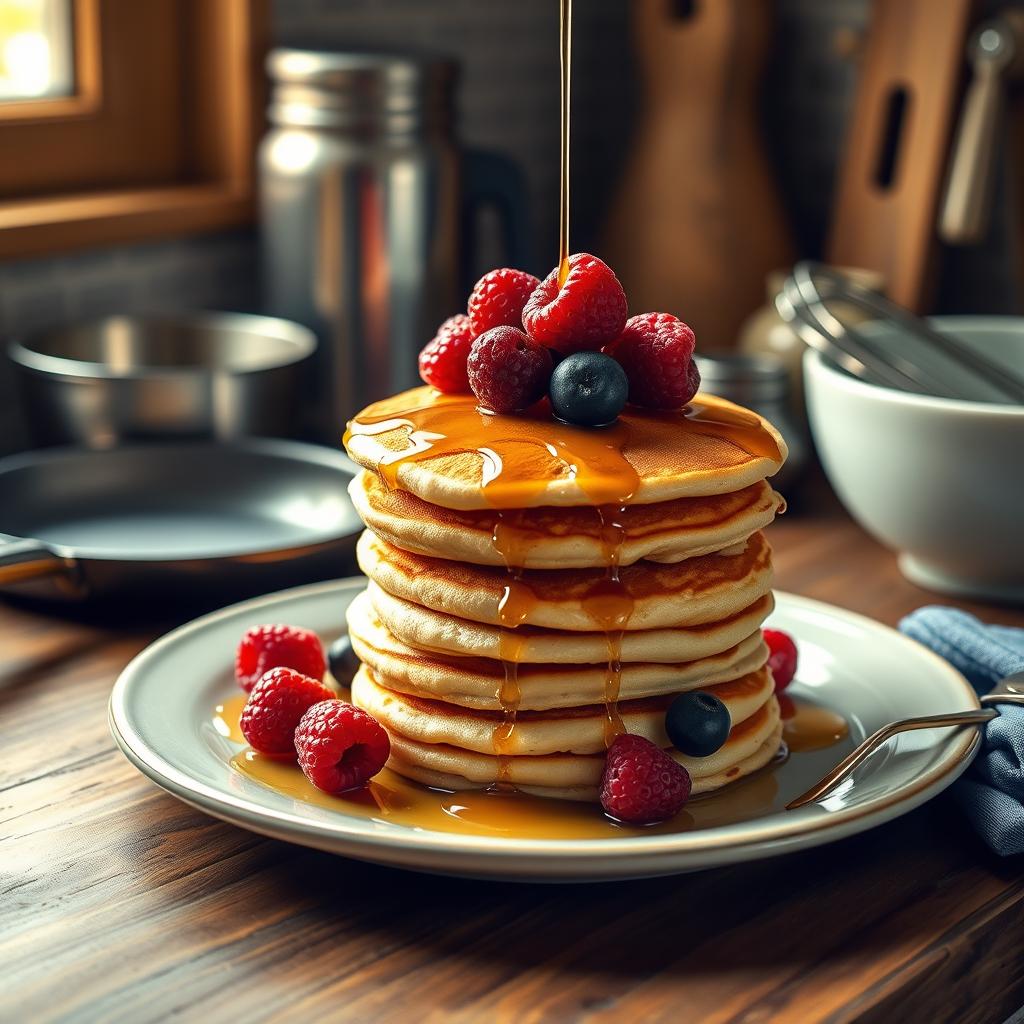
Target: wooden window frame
{"x":209,"y":181}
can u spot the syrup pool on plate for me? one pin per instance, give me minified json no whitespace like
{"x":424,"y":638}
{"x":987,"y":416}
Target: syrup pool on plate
{"x":391,"y":799}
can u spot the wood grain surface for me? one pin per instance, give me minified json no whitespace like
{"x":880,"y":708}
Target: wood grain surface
{"x":119,"y":903}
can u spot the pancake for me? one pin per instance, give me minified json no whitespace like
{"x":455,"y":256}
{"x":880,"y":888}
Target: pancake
{"x":476,"y":682}
{"x":751,"y":745}
{"x":704,"y":589}
{"x":564,"y":538}
{"x":444,"y":450}
{"x":426,"y":629}
{"x":578,"y":730}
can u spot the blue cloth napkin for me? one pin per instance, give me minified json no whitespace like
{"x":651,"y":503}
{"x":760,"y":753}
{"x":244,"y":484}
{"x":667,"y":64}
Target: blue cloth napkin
{"x":991,"y":792}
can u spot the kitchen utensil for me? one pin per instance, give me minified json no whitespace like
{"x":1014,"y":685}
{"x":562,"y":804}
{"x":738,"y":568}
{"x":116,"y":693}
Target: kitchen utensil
{"x":1009,"y":691}
{"x":891,"y":175}
{"x":936,"y":479}
{"x":925,"y":361}
{"x":193,"y":375}
{"x":162,"y":716}
{"x":156,"y":521}
{"x":760,"y":383}
{"x":366,"y":206}
{"x":996,"y":55}
{"x":696,"y":222}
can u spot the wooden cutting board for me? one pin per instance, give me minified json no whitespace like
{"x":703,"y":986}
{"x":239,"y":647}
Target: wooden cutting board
{"x":696,"y":224}
{"x":897,"y":146}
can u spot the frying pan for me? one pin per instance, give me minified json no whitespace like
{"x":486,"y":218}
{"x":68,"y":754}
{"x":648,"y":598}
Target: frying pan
{"x":165,"y":521}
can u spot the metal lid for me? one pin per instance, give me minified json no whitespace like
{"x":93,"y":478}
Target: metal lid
{"x":743,"y":378}
{"x":390,"y":91}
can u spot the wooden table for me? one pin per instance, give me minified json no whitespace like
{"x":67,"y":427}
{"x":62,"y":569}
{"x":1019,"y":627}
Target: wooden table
{"x":118,"y":903}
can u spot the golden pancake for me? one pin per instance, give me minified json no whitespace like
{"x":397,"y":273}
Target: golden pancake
{"x":565,"y":538}
{"x":580,"y":730}
{"x":704,"y":589}
{"x":477,"y":682}
{"x":751,"y":745}
{"x":426,"y":629}
{"x":444,"y":450}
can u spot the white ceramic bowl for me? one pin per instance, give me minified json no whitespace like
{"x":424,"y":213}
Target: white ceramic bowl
{"x":938,"y":480}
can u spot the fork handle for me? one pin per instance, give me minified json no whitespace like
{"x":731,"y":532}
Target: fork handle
{"x":876,"y":739}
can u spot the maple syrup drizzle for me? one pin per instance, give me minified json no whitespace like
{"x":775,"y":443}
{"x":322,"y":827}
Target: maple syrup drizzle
{"x":565,"y":55}
{"x":391,"y":798}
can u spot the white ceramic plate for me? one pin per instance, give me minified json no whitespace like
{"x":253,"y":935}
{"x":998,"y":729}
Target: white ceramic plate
{"x":161,"y":716}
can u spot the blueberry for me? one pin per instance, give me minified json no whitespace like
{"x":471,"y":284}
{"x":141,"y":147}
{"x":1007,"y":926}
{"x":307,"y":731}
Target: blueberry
{"x":588,"y":389}
{"x":342,"y":660}
{"x":697,"y":723}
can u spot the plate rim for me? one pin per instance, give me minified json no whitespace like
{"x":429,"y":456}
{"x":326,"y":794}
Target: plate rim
{"x":252,"y":815}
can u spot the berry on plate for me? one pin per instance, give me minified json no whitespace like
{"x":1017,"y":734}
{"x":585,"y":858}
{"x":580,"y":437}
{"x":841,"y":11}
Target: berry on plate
{"x":641,"y":784}
{"x":588,"y":389}
{"x":275,"y":706}
{"x":588,"y":311}
{"x":342,"y":660}
{"x":498,"y":298}
{"x":782,"y":657}
{"x":340,"y":746}
{"x":656,"y":351}
{"x":443,"y":359}
{"x":265,"y":647}
{"x":507,"y":370}
{"x":697,"y":723}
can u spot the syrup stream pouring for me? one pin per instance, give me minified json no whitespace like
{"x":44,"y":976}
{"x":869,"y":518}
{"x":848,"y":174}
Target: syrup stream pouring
{"x":1009,"y":691}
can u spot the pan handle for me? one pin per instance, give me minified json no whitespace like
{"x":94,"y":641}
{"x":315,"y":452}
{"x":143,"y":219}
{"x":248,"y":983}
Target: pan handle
{"x":26,"y":559}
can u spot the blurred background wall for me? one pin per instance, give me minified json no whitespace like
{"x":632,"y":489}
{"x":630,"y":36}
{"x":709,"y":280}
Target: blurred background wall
{"x":508,"y":100}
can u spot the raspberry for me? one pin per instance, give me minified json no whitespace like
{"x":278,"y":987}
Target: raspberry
{"x":507,"y":370}
{"x":656,"y":351}
{"x":782,"y":657}
{"x":340,"y":746}
{"x":266,"y":647}
{"x":641,"y":784}
{"x":274,"y":708}
{"x":588,"y":311}
{"x":443,"y":359}
{"x":498,"y":298}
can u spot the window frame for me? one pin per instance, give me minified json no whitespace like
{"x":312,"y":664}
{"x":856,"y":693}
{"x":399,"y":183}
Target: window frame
{"x":205,"y":183}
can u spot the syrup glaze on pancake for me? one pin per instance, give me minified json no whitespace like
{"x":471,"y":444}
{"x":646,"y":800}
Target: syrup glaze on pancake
{"x":443,"y":449}
{"x":564,"y":538}
{"x":751,"y":744}
{"x":428,"y":630}
{"x":576,"y":730}
{"x":474,"y":682}
{"x":703,"y":589}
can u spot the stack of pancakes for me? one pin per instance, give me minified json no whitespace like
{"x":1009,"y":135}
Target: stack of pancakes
{"x":535,"y":589}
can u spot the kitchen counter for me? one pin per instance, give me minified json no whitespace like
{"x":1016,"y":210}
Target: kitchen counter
{"x":118,"y":902}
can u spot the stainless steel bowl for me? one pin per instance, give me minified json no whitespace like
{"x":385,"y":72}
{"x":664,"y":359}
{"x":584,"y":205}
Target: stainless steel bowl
{"x":197,"y":375}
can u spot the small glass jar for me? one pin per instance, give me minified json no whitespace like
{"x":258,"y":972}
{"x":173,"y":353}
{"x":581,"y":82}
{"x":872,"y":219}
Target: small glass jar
{"x":761,"y":383}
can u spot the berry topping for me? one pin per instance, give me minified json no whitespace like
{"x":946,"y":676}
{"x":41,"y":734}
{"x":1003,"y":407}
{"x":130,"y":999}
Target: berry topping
{"x":498,"y":298}
{"x":443,"y":359}
{"x":266,"y":647}
{"x":588,"y":388}
{"x":342,"y":660}
{"x":340,"y":746}
{"x":641,"y":784}
{"x":507,"y":370}
{"x":782,"y":657}
{"x":274,"y":708}
{"x":588,"y":311}
{"x":656,"y":351}
{"x":697,"y":724}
